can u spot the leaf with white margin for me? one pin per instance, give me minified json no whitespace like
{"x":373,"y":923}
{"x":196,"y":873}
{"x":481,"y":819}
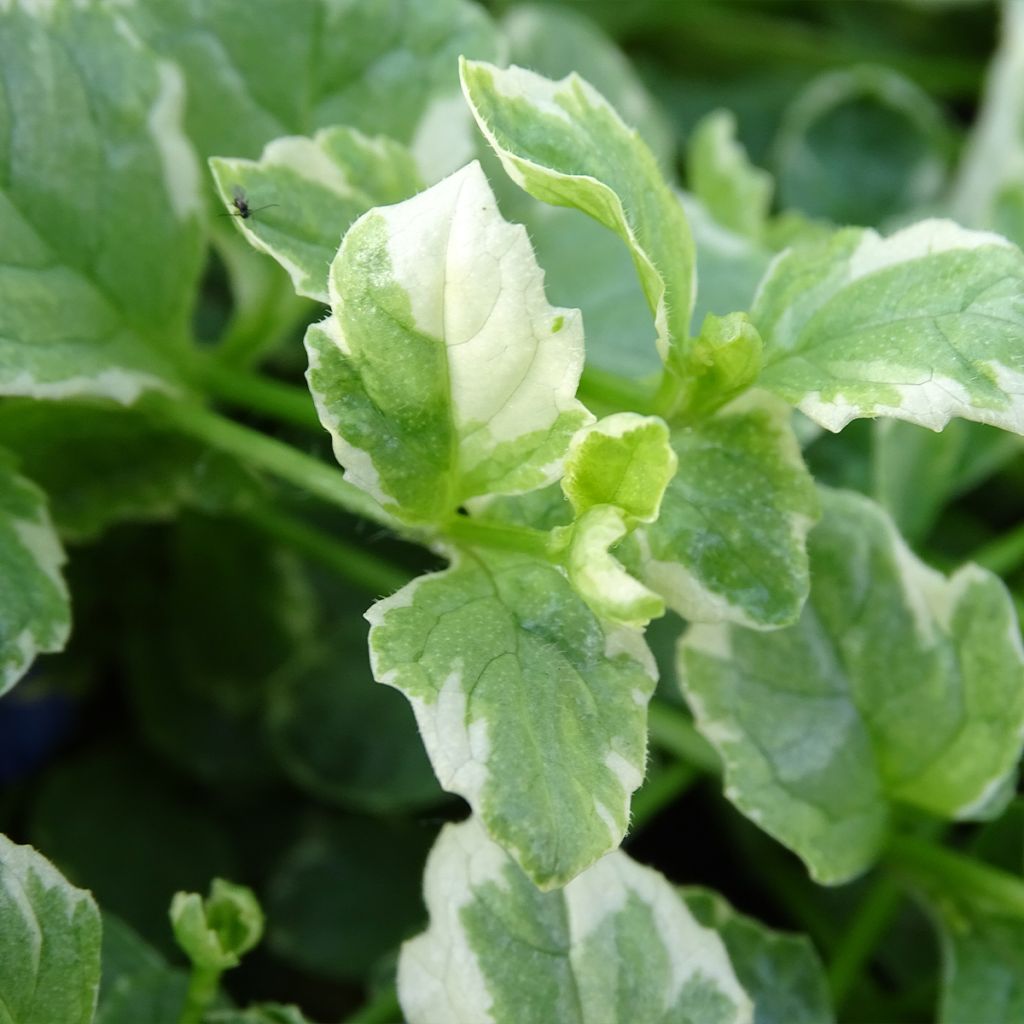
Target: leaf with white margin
{"x":99,"y":221}
{"x":529,"y":707}
{"x":989,"y":180}
{"x":735,"y":192}
{"x":49,"y":942}
{"x":730,"y":540}
{"x":922,"y":326}
{"x":623,"y":460}
{"x":313,"y":189}
{"x":782,"y":973}
{"x":261,"y":69}
{"x":615,"y":946}
{"x":599,"y":578}
{"x":443,"y":374}
{"x":35,"y":614}
{"x":565,"y":145}
{"x":897,"y":686}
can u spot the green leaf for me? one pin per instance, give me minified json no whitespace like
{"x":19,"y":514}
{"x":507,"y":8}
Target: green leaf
{"x":345,"y":893}
{"x":260,"y":70}
{"x":318,"y":711}
{"x":138,"y":986}
{"x":781,"y":973}
{"x":623,"y":460}
{"x":311,"y":190}
{"x":555,"y":41}
{"x":49,"y":942}
{"x":921,"y":326}
{"x":987,"y":191}
{"x":104,"y":464}
{"x":861,"y":145}
{"x":116,"y":822}
{"x":261,"y":1013}
{"x":982,"y":965}
{"x":916,"y":472}
{"x":528,"y":706}
{"x":897,"y":686}
{"x":730,"y":540}
{"x":443,"y":373}
{"x":99,"y":223}
{"x":564,"y":144}
{"x":616,"y":945}
{"x":35,"y":614}
{"x":215,"y":613}
{"x":216,"y":932}
{"x":736,"y":193}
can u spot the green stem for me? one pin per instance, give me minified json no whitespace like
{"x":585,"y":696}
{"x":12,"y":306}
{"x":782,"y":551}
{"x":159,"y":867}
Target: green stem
{"x":673,"y":731}
{"x":482,"y":533}
{"x":276,"y":457}
{"x":1004,"y":555}
{"x":383,"y":1008}
{"x":239,"y":387}
{"x":927,"y":861}
{"x":614,"y":393}
{"x":373,"y":574}
{"x":854,"y":948}
{"x":202,"y":991}
{"x":661,"y":788}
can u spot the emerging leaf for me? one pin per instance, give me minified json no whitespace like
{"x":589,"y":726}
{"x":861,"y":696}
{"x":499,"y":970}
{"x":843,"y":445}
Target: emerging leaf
{"x":897,"y":685}
{"x":35,"y":616}
{"x":616,"y":945}
{"x":528,"y":705}
{"x":564,"y":144}
{"x":49,"y":942}
{"x":443,"y":374}
{"x":217,"y":931}
{"x":922,"y":326}
{"x":313,"y":190}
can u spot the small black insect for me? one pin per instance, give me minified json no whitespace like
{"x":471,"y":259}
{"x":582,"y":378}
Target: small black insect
{"x":240,"y":202}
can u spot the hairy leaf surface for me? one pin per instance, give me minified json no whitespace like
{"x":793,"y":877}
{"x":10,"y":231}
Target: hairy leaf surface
{"x":616,"y":945}
{"x":528,"y":705}
{"x":897,"y":686}
{"x":443,"y":373}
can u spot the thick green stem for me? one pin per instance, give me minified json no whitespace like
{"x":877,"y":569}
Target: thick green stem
{"x":375,"y":575}
{"x":673,"y":731}
{"x":260,"y":394}
{"x":609,"y":391}
{"x":482,"y":533}
{"x":202,"y":991}
{"x":964,"y":876}
{"x":276,"y":457}
{"x":861,"y":936}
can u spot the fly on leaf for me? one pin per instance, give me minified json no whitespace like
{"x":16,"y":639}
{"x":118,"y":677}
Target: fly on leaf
{"x":240,"y":202}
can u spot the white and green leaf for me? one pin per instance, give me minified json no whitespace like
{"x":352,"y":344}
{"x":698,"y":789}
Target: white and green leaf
{"x":529,"y":706}
{"x":898,"y":686}
{"x":616,"y":945}
{"x":35,"y":613}
{"x":737,"y":194}
{"x":730,"y":540}
{"x":564,"y":144}
{"x":99,"y":222}
{"x":781,"y":973}
{"x":49,"y":942}
{"x":443,"y":374}
{"x":389,"y":67}
{"x":922,"y":326}
{"x":311,"y":190}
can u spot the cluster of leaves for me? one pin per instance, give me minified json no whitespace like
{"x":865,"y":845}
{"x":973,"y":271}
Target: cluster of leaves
{"x":426,"y":174}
